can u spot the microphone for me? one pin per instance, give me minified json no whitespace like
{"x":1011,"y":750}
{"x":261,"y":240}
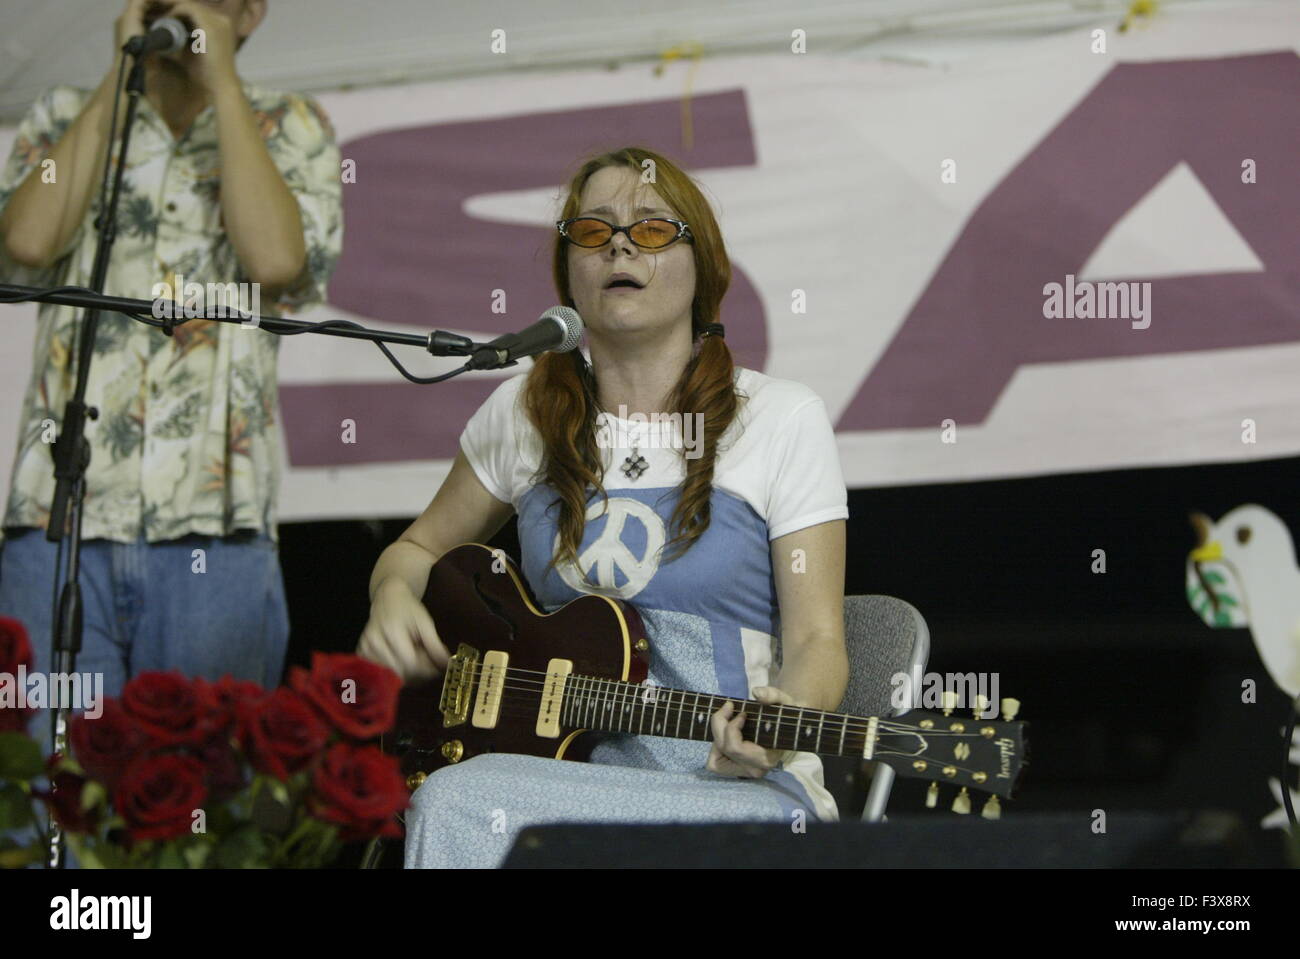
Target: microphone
{"x":558,"y":330}
{"x":166,"y":35}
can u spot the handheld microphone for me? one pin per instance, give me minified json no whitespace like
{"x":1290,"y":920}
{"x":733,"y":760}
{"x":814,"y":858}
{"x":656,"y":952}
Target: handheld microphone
{"x":166,"y":35}
{"x":558,"y":330}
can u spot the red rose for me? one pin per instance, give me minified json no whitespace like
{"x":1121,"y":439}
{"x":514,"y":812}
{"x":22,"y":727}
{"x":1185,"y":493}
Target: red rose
{"x":223,"y":772}
{"x":171,"y":708}
{"x":359,"y":697}
{"x":64,"y":800}
{"x":225,"y":697}
{"x":15,"y":651}
{"x":281,"y":733}
{"x":157,"y":796}
{"x":105,"y":746}
{"x":361,"y":789}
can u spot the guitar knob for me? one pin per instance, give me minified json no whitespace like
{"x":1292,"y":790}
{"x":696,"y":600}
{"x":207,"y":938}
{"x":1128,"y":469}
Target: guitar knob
{"x":949,"y":701}
{"x":932,"y":796}
{"x":453,"y":750}
{"x":992,"y":809}
{"x":1009,"y":709}
{"x":961,"y":804}
{"x":981,"y":706}
{"x":414,"y":780}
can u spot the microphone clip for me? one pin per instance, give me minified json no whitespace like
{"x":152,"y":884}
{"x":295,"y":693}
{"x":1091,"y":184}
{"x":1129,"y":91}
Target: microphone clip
{"x":491,"y":358}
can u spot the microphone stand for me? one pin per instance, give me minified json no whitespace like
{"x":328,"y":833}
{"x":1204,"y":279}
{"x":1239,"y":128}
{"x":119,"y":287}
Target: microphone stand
{"x":72,"y":452}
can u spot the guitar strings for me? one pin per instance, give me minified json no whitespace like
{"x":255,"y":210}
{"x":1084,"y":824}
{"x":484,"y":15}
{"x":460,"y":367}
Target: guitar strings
{"x":632,"y":689}
{"x":521,"y":701}
{"x":581,"y":704}
{"x":779,"y":745}
{"x":575,"y":712}
{"x":582,"y":701}
{"x":627,"y":695}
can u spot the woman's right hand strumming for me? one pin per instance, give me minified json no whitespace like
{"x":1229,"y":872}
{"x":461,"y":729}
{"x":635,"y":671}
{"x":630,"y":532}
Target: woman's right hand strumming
{"x":401,"y":634}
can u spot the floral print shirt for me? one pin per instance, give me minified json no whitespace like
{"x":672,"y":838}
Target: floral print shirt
{"x":187,"y":439}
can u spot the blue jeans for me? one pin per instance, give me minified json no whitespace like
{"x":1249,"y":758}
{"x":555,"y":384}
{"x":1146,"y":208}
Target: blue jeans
{"x":156,"y":606}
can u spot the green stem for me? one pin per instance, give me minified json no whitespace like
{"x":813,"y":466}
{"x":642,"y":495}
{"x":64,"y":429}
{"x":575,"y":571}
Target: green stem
{"x":303,"y":827}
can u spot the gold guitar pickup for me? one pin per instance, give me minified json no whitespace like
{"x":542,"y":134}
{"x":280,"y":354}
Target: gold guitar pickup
{"x":548,"y":714}
{"x":491,"y":684}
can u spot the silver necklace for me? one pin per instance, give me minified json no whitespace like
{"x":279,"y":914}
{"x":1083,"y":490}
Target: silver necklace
{"x":634,"y":465}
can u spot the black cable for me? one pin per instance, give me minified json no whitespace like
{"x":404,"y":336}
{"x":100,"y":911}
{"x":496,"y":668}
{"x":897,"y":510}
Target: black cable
{"x":1286,"y":761}
{"x":348,"y":324}
{"x":24,"y":297}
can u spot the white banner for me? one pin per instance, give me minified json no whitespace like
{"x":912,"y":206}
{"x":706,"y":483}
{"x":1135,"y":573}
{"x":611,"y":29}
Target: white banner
{"x":1059,"y":260}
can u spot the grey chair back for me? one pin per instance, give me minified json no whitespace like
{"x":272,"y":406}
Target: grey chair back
{"x":883,"y":636}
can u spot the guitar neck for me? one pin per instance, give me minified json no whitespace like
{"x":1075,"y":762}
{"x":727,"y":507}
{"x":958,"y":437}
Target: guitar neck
{"x":614,"y":706}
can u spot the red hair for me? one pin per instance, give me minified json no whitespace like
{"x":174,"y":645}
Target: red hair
{"x":560,"y":392}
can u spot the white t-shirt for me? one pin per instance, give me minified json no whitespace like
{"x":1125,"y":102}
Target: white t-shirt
{"x":785,"y":463}
{"x":711,"y":614}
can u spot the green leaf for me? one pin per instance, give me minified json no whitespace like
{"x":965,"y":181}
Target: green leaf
{"x":15,"y":807}
{"x":88,"y":856}
{"x":316,"y":846}
{"x":20,"y":757}
{"x":245,"y":848}
{"x":91,"y":794}
{"x":1226,"y":600}
{"x":20,"y":857}
{"x":169,"y":857}
{"x":196,"y":856}
{"x":279,"y":791}
{"x":1222,"y":618}
{"x":1216,"y":578}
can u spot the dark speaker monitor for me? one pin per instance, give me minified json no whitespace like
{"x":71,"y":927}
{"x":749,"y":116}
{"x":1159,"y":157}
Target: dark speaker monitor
{"x":1059,"y":840}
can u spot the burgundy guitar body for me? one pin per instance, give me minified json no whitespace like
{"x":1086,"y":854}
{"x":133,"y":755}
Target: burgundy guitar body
{"x":478,"y":598}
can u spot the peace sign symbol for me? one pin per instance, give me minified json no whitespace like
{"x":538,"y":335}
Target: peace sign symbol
{"x":608,"y":552}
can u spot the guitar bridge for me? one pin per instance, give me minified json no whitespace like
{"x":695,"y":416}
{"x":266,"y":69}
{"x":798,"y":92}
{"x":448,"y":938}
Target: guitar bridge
{"x":458,"y":685}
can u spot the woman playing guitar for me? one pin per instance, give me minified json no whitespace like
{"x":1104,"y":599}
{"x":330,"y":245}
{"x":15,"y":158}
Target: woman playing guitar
{"x":728,"y":539}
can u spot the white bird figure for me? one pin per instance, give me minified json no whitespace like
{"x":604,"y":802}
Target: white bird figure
{"x":1255,"y":546}
{"x":1278,"y":818}
{"x":1243,"y":573}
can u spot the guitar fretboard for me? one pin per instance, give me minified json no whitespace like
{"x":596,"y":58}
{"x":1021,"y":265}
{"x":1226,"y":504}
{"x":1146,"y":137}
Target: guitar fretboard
{"x":615,"y":706}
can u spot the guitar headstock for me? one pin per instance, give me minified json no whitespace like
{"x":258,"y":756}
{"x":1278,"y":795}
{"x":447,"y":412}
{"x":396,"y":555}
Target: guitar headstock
{"x":985,"y":754}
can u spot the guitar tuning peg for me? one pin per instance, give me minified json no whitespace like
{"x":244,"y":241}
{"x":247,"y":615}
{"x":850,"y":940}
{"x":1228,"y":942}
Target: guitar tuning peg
{"x":961,"y":804}
{"x":992,"y":809}
{"x":981,"y":707}
{"x":1009,"y":708}
{"x":932,"y":796}
{"x":949,"y":701}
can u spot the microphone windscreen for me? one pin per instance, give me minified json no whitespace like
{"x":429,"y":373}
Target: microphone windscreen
{"x":572,"y":322}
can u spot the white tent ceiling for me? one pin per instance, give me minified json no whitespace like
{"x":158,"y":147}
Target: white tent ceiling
{"x":319,"y":45}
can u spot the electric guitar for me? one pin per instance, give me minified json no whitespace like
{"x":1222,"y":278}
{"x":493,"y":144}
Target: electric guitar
{"x":524,"y":681}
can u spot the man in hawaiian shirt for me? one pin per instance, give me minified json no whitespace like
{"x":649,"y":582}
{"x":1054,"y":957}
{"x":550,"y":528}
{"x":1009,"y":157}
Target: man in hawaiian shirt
{"x":225,"y":182}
